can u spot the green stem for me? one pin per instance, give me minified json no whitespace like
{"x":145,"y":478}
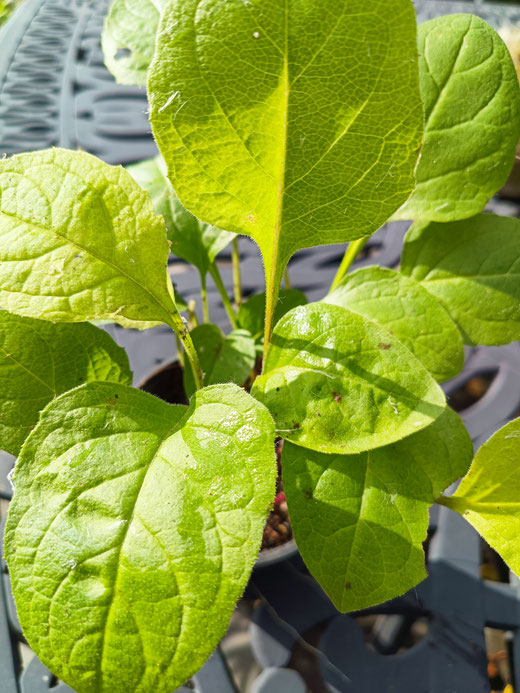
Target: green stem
{"x":271,"y":301}
{"x":287,"y":279}
{"x":237,"y":280}
{"x":213,"y":270}
{"x":204,"y":297}
{"x":180,"y":351}
{"x":456,"y":503}
{"x":183,"y":334}
{"x":353,"y":250}
{"x":192,"y":316}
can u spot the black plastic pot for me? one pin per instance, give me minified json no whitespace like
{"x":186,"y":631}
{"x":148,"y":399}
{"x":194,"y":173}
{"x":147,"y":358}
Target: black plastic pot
{"x":165,"y":382}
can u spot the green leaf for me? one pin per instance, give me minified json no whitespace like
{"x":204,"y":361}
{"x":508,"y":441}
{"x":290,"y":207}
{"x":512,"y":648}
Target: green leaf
{"x":39,"y":361}
{"x":412,"y":314}
{"x":133,"y":530}
{"x":472,"y":100}
{"x":337,"y":383}
{"x":360,"y":520}
{"x":79,"y":241}
{"x":128,"y":39}
{"x":297,"y":123}
{"x":227,"y":359}
{"x":488,"y":495}
{"x":473,"y":268}
{"x":251,"y":314}
{"x":190,"y":239}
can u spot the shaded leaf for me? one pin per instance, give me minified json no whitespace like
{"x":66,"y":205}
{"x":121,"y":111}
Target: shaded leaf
{"x":472,"y":100}
{"x":488,"y":495}
{"x":251,"y":314}
{"x":133,"y":530}
{"x":360,"y":520}
{"x":227,"y":359}
{"x":128,"y":39}
{"x":39,"y":361}
{"x":295,"y":123}
{"x":79,"y":241}
{"x":412,"y":314}
{"x":337,"y":383}
{"x":190,"y":239}
{"x":473,"y":268}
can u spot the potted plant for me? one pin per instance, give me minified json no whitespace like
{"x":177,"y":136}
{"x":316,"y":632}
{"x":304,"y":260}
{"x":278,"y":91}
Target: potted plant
{"x":135,"y":523}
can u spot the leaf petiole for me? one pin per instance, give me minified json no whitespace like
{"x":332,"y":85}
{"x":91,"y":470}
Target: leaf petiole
{"x":215,"y":274}
{"x":351,"y":254}
{"x":237,"y":281}
{"x":183,"y":334}
{"x":204,"y":299}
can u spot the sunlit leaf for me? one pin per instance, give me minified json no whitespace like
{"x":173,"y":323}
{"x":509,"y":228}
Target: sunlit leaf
{"x":133,"y":530}
{"x":335,"y":382}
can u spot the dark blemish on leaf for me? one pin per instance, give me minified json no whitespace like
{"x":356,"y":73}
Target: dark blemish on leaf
{"x":318,"y":413}
{"x":338,"y":398}
{"x":348,"y":586}
{"x":384,"y":346}
{"x":296,"y":424}
{"x":308,"y":493}
{"x":110,"y":402}
{"x":277,"y":389}
{"x":116,"y":396}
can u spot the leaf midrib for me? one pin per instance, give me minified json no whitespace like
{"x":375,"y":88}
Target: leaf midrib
{"x":53,"y":232}
{"x":281,"y":182}
{"x":99,"y":673}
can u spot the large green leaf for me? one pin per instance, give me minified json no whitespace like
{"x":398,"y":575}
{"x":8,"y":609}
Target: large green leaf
{"x":472,"y":100}
{"x":79,"y":240}
{"x":489,"y":498}
{"x":405,"y":308}
{"x":296,"y":122}
{"x":39,"y":361}
{"x":128,"y":39}
{"x":227,"y":359}
{"x":337,"y":383}
{"x":473,"y":268}
{"x":133,"y":530}
{"x":360,"y":520}
{"x":251,"y":314}
{"x":190,"y":239}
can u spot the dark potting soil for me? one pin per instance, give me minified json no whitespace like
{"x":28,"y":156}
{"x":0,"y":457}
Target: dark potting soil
{"x":167,"y":384}
{"x":278,"y":529}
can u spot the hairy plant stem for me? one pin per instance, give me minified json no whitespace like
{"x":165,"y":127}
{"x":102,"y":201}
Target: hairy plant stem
{"x":180,"y":350}
{"x":271,"y":300}
{"x":287,"y":279}
{"x":215,"y":274}
{"x":182,"y":333}
{"x":351,"y":253}
{"x":237,"y":280}
{"x":204,"y":298}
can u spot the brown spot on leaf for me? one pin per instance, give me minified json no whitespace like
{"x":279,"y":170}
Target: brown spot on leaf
{"x":348,"y":586}
{"x":384,"y":346}
{"x":338,"y":398}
